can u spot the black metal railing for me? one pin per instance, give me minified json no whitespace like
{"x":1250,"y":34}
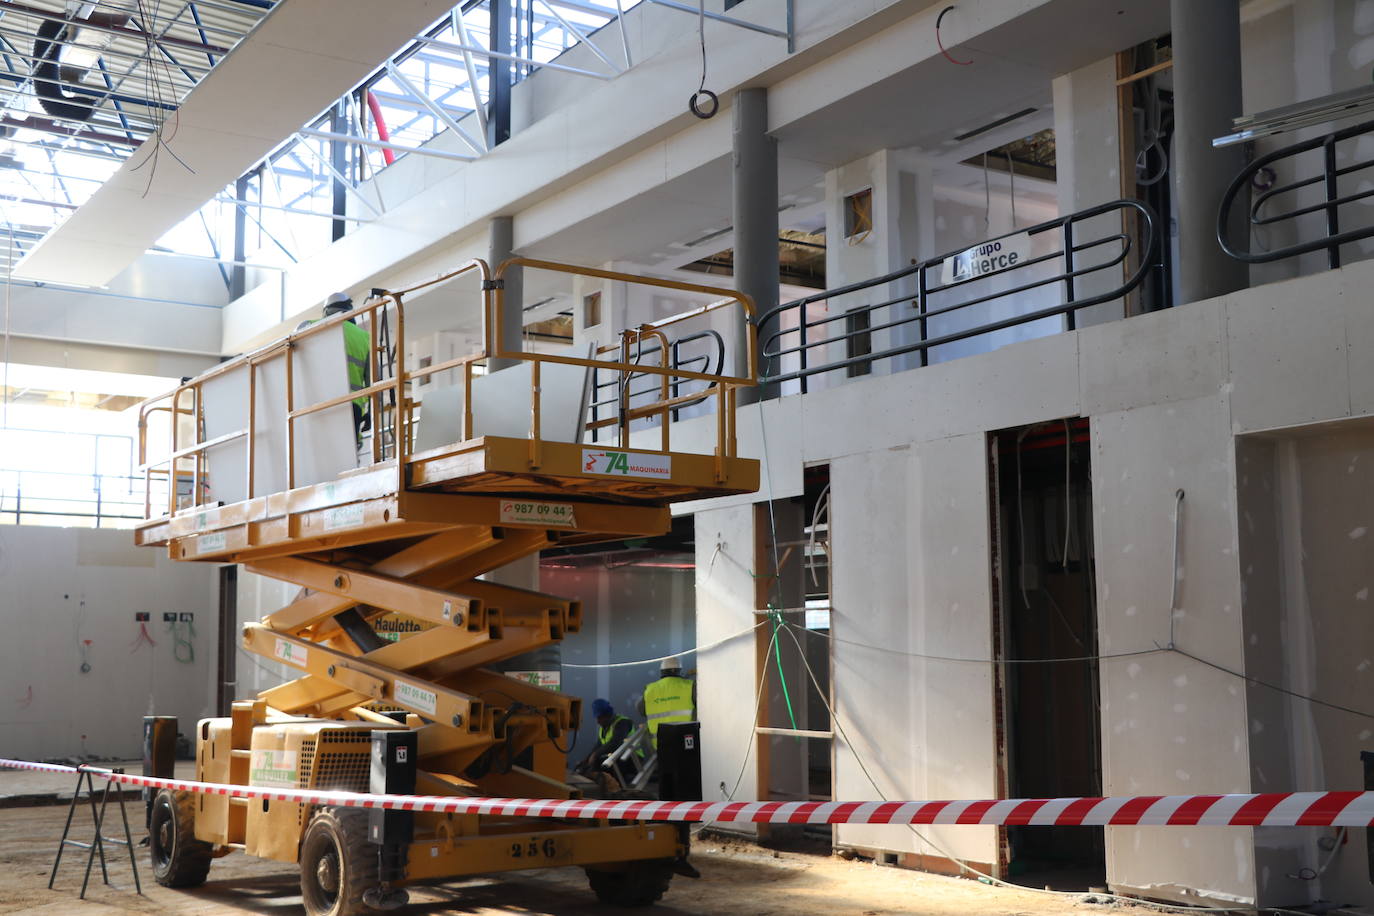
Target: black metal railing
{"x":609,"y":399}
{"x":1314,"y":192}
{"x":1005,"y":274}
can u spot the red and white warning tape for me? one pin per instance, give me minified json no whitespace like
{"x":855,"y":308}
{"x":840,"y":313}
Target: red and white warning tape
{"x":1274,"y":809}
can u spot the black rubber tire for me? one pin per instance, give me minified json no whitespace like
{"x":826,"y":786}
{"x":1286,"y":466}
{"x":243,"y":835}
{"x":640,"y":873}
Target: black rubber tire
{"x":179,"y":859}
{"x":637,"y":884}
{"x":338,"y":864}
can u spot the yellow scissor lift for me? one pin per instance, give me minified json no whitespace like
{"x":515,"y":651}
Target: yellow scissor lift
{"x":410,"y":532}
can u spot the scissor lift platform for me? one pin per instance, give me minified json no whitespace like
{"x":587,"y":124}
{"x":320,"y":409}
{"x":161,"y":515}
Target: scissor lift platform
{"x":414,"y":533}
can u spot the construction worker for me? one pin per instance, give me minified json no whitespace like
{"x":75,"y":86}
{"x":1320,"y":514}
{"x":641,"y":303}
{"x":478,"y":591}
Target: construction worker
{"x":612,"y":730}
{"x":671,"y":698}
{"x":357,"y":342}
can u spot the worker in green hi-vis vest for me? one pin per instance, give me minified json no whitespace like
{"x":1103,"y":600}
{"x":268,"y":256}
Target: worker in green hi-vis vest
{"x":356,"y":344}
{"x":671,"y":698}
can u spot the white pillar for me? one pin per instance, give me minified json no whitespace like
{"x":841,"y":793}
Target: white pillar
{"x":1088,"y":165}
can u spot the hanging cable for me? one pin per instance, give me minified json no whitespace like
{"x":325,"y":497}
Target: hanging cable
{"x":940,"y":42}
{"x":704,"y":103}
{"x":183,"y":649}
{"x":838,"y":726}
{"x":987,"y":196}
{"x":758,"y":707}
{"x":144,"y":638}
{"x":1021,"y":524}
{"x":1068,"y":505}
{"x":163,"y":98}
{"x":988,"y":661}
{"x":1173,"y":570}
{"x":822,"y":508}
{"x":1011,"y":170}
{"x":699,"y":649}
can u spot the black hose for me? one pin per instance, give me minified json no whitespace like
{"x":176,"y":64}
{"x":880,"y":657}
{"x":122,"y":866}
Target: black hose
{"x":47,"y":51}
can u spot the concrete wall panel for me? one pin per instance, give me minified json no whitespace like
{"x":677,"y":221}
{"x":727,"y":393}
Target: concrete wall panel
{"x":726,"y":688}
{"x":1286,"y":347}
{"x":1152,"y":359}
{"x":1170,"y":725}
{"x":911,"y":562}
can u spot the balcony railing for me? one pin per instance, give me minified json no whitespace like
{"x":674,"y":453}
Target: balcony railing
{"x":1312,"y":198}
{"x":1052,"y":269}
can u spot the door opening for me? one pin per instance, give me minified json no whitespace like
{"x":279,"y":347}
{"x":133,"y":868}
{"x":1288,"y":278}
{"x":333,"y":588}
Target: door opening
{"x":1045,"y":630}
{"x":795,"y":753}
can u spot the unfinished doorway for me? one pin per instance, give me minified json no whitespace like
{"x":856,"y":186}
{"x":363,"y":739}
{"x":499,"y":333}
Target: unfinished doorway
{"x":793,"y":653}
{"x":1045,"y":640}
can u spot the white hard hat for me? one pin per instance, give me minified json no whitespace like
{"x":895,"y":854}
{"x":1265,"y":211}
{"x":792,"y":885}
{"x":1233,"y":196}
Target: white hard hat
{"x":337,"y":302}
{"x":670,"y":664}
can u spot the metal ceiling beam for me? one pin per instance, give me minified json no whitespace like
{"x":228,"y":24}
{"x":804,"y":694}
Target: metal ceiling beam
{"x":591,"y":45}
{"x":117,"y":97}
{"x":11,"y":6}
{"x":483,"y":52}
{"x":434,"y":108}
{"x":37,"y":203}
{"x":380,"y":144}
{"x":89,"y":152}
{"x":254,"y":203}
{"x":396,"y":100}
{"x":45,"y":125}
{"x":717,"y":17}
{"x":103,"y":52}
{"x":234,"y":33}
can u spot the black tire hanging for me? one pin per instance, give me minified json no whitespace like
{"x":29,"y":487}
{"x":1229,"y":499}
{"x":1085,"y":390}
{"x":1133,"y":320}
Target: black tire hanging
{"x":179,"y":859}
{"x":47,"y":70}
{"x":637,"y":884}
{"x":338,"y":864}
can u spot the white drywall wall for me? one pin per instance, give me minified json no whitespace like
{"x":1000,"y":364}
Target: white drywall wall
{"x":909,"y":550}
{"x":63,"y":586}
{"x":1167,"y":395}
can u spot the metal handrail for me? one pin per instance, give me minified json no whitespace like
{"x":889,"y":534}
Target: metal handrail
{"x":283,"y":348}
{"x":618,"y":382}
{"x":1069,"y":251}
{"x":1331,"y":204}
{"x":722,"y":386}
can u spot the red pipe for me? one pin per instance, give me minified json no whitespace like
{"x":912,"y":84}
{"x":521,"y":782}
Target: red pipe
{"x":375,"y":107}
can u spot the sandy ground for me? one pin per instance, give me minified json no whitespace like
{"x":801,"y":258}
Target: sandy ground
{"x":738,"y":878}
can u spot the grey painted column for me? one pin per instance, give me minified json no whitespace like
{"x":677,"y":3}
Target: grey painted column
{"x":755,"y":210}
{"x":1207,"y":95}
{"x":500,"y":246}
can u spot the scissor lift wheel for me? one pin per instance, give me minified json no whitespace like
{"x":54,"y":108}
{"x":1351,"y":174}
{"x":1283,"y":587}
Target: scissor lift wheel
{"x":179,"y":859}
{"x":634,"y":884}
{"x":338,"y":864}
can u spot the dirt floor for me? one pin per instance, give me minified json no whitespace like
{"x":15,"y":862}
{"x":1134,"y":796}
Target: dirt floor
{"x":738,"y":878}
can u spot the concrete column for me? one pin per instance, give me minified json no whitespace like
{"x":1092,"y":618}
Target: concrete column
{"x":500,"y":247}
{"x":755,"y":208}
{"x":1207,"y":95}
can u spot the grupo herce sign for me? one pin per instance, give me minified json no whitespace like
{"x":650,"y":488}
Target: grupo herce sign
{"x":987,"y":258}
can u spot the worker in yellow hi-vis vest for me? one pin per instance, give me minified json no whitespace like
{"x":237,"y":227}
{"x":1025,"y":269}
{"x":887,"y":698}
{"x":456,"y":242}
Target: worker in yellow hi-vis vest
{"x":356,"y":344}
{"x":671,"y":698}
